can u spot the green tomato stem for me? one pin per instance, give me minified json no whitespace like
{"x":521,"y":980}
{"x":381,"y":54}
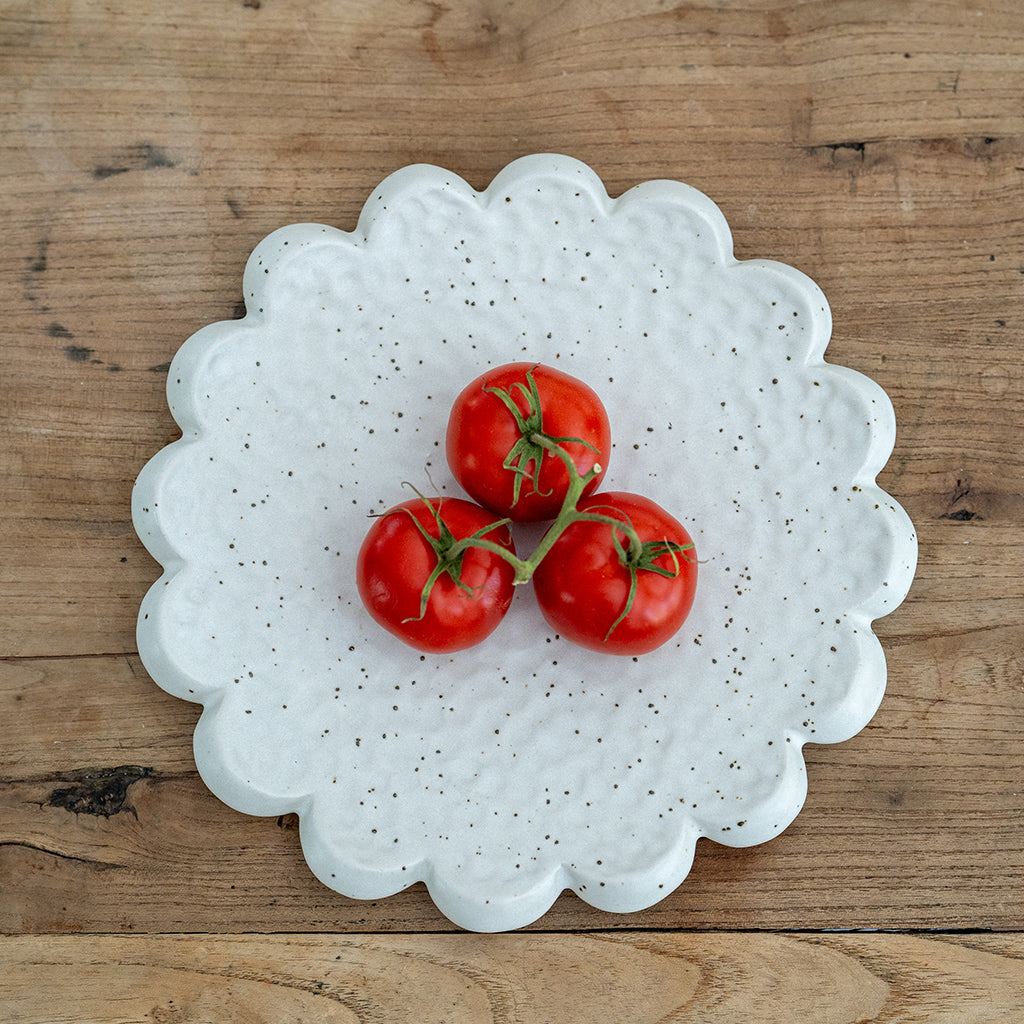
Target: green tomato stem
{"x":636,"y":555}
{"x":567,"y":515}
{"x":528,"y":451}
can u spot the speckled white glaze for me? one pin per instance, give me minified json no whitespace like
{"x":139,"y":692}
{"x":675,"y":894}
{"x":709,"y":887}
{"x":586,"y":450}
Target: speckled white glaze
{"x":504,"y":774}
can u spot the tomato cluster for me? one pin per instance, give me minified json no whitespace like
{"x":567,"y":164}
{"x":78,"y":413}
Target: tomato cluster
{"x":614,"y":572}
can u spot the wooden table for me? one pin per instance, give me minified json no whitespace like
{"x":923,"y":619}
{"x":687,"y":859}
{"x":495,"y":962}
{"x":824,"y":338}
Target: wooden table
{"x":145,"y":149}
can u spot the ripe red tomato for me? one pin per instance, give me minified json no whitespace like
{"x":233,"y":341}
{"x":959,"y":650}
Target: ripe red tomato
{"x":486,"y":440}
{"x":583,"y":583}
{"x":396,"y":561}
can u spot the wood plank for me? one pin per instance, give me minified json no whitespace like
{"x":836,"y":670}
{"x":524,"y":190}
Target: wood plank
{"x":515,"y":979}
{"x":918,"y":822}
{"x":144,"y":151}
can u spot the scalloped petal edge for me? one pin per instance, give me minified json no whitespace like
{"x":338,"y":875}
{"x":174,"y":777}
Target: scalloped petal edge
{"x":506,"y":910}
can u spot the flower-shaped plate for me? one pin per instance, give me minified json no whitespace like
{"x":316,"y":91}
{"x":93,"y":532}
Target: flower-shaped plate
{"x":505,"y":774}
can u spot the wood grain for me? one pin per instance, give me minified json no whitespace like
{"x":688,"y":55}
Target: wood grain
{"x":144,"y":151}
{"x":515,"y":979}
{"x":915,"y":823}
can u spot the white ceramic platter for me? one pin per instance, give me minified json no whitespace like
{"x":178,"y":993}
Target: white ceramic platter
{"x":505,"y":774}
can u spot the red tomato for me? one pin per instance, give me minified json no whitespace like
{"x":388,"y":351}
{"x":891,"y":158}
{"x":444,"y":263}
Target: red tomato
{"x":583,"y":583}
{"x":396,"y":561}
{"x":486,"y":440}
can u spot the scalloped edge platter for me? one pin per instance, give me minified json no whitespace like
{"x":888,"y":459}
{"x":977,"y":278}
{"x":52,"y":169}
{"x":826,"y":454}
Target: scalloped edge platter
{"x":504,"y":775}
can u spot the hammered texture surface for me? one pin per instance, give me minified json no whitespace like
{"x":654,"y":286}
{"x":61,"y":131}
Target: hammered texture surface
{"x":504,"y":774}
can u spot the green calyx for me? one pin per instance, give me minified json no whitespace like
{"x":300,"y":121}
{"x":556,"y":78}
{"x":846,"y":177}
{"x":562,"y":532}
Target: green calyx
{"x":526,"y":456}
{"x":449,"y":551}
{"x":643,"y":560}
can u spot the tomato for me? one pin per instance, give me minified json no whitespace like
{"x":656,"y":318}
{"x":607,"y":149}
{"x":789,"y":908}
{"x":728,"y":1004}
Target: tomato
{"x":583,"y":582}
{"x":396,"y":562}
{"x":489,"y":448}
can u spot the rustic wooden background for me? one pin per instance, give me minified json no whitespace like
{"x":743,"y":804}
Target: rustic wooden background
{"x":878,"y":145}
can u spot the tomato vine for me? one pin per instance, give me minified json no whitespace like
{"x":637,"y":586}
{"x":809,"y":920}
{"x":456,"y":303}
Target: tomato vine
{"x":624,"y":551}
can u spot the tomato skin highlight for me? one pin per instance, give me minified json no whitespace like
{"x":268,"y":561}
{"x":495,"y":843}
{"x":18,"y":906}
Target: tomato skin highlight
{"x":482,"y":431}
{"x":395,"y":562}
{"x":582,"y":585}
